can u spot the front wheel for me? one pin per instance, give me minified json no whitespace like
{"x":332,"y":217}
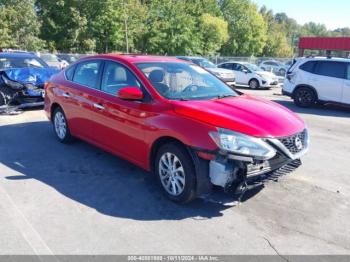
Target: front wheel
{"x":304,"y":97}
{"x":254,"y":84}
{"x":176,"y":174}
{"x":61,"y":126}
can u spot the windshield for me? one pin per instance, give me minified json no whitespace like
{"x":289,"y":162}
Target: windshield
{"x":204,"y":63}
{"x":20,"y":62}
{"x":182,"y":81}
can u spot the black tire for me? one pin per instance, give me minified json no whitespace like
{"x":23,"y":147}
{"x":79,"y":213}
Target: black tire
{"x":66,"y":137}
{"x":305,"y":97}
{"x":188,"y":192}
{"x":254,"y":84}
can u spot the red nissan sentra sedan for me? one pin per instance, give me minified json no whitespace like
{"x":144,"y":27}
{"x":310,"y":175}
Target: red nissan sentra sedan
{"x":175,"y":119}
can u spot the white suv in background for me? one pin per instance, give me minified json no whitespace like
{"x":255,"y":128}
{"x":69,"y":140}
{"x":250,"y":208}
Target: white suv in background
{"x":318,"y":79}
{"x":251,"y":75}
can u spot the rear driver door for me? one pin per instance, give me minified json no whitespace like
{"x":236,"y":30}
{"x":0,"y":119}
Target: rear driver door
{"x":328,"y":80}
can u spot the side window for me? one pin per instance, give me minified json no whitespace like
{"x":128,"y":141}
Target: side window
{"x":348,"y":72}
{"x":116,"y":76}
{"x":87,"y":74}
{"x":308,"y":66}
{"x":240,"y":67}
{"x":331,"y":69}
{"x":245,"y":69}
{"x":235,"y":67}
{"x":69,"y":73}
{"x":226,"y":66}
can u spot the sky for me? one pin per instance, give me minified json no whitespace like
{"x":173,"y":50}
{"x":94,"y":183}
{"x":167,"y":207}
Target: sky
{"x":333,"y":13}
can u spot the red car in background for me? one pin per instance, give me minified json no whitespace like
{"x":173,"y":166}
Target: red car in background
{"x":175,"y":119}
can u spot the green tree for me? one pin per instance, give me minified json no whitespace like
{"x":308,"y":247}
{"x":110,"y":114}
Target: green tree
{"x":65,"y":24}
{"x":19,"y":27}
{"x":247,"y":28}
{"x":169,"y":28}
{"x":314,"y":29}
{"x":277,"y":43}
{"x":214,"y":32}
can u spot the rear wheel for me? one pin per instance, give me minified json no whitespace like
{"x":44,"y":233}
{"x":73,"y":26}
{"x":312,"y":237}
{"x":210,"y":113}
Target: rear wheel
{"x":254,"y":84}
{"x":60,"y":126}
{"x":175,"y":172}
{"x":305,"y":97}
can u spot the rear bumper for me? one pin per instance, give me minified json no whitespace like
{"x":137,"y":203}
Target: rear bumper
{"x":286,"y":93}
{"x":270,"y":84}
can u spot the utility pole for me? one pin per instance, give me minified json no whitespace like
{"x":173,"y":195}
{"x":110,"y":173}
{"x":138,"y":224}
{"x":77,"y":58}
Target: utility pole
{"x":126,"y":29}
{"x":126,"y":35}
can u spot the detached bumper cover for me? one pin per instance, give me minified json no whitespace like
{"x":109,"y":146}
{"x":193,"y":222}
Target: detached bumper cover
{"x":233,"y":168}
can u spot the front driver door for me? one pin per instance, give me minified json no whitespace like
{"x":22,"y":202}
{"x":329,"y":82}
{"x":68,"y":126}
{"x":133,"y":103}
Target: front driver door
{"x":120,"y":126}
{"x":240,"y":76}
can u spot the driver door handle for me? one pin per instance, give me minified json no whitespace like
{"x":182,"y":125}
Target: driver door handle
{"x":99,"y":106}
{"x":66,"y":95}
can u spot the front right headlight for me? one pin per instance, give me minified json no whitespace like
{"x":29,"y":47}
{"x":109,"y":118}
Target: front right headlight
{"x":242,"y":144}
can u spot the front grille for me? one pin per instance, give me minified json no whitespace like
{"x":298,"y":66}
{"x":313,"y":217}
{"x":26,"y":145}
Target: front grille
{"x":292,"y":143}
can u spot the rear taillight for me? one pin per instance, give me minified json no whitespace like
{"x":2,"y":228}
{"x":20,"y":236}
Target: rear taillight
{"x":291,"y":76}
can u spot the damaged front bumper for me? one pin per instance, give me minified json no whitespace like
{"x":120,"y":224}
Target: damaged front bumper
{"x":227,"y":169}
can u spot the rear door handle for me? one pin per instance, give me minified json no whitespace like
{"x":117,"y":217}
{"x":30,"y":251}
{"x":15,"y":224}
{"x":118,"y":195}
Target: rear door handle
{"x":99,"y":106}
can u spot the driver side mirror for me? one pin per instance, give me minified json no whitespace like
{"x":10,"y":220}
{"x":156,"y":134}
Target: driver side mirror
{"x":130,"y":93}
{"x":245,"y":71}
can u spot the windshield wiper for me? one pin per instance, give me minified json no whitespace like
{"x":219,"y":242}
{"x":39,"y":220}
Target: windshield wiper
{"x":224,"y":96}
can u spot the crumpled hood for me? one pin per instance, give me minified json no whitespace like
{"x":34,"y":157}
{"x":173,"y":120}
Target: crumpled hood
{"x":30,"y":75}
{"x":245,"y":114}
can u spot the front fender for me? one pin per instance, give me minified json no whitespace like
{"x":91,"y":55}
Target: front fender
{"x":190,"y":132}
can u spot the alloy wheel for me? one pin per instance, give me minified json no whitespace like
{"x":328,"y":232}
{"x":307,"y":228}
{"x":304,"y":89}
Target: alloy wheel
{"x":60,"y":125}
{"x":172,"y":174}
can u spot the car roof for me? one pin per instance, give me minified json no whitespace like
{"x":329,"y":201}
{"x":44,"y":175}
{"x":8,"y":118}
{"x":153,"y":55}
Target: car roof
{"x":14,"y":54}
{"x":323,"y":58}
{"x":136,"y":58}
{"x":192,"y":57}
{"x":237,"y":62}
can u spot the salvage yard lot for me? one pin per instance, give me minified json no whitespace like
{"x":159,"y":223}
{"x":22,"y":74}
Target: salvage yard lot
{"x":77,"y":199}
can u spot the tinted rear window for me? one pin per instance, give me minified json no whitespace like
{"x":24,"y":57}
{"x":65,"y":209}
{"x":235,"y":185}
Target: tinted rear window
{"x":331,"y":69}
{"x":308,"y":66}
